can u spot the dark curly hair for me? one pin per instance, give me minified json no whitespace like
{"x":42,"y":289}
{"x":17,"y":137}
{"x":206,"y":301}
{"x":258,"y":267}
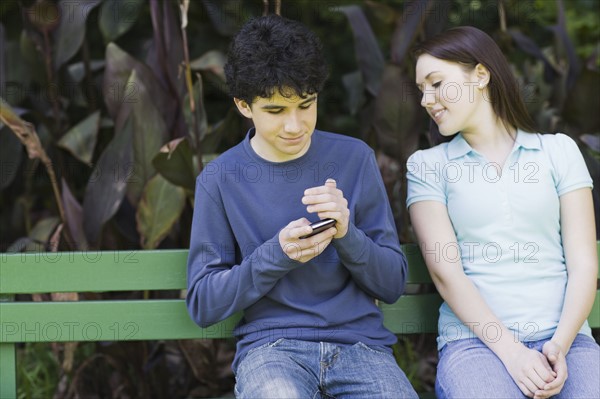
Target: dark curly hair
{"x":274,"y":53}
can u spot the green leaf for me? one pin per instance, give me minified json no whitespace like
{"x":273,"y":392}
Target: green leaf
{"x":74,"y":216}
{"x":71,"y":29}
{"x":212,"y":61}
{"x":175,"y":162}
{"x":202,"y":127}
{"x":77,"y":69}
{"x":41,"y":233}
{"x":14,"y":70}
{"x":108,"y":183}
{"x":80,"y":140}
{"x":158,"y":211}
{"x":149,"y":133}
{"x":117,"y":17}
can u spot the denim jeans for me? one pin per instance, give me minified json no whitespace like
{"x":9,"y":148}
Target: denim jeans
{"x":469,"y":369}
{"x":301,"y":369}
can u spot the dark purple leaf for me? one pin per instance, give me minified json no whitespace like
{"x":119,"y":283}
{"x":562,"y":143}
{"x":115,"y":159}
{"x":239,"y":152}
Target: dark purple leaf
{"x":224,"y":15}
{"x":592,"y":141}
{"x":166,"y":56}
{"x":369,"y":56}
{"x":11,"y":154}
{"x":355,"y":89}
{"x":560,"y":30}
{"x":582,"y":104}
{"x":530,"y":47}
{"x":120,"y":93}
{"x":407,"y":27}
{"x":398,"y":117}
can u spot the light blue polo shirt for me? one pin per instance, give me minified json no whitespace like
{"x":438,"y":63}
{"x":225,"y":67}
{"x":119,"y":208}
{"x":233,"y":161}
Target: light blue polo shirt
{"x":507,"y":226}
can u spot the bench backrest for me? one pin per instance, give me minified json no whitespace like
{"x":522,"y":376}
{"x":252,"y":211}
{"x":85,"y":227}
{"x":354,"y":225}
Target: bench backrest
{"x":151,"y":319}
{"x":120,"y":320}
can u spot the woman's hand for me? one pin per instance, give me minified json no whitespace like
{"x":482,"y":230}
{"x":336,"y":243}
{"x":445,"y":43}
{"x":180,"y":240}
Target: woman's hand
{"x":530,"y":370}
{"x":558,"y":361}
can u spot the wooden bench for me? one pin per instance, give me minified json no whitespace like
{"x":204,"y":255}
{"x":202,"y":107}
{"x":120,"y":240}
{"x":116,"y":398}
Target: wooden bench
{"x":153,"y":319}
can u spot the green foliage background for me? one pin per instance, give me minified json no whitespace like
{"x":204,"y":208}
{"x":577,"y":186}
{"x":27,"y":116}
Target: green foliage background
{"x":106,"y":87}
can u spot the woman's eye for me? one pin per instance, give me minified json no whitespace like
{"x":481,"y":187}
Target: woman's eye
{"x":437,"y":84}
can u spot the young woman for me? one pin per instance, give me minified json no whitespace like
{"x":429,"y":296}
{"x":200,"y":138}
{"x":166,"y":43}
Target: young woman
{"x":505,"y":220}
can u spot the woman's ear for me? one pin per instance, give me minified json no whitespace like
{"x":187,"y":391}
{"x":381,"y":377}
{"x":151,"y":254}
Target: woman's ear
{"x":482,"y":74}
{"x":243,"y":107}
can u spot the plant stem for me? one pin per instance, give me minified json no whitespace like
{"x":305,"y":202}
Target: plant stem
{"x":183,"y":6}
{"x":53,"y":96}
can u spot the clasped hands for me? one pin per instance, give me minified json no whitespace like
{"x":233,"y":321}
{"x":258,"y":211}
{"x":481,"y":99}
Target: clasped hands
{"x":327,"y":201}
{"x":539,"y":375}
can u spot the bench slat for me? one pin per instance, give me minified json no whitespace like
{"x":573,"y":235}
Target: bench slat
{"x":123,"y":271}
{"x":8,"y":371}
{"x":412,"y":314}
{"x":127,"y":320}
{"x":93,"y":271}
{"x":32,"y":273}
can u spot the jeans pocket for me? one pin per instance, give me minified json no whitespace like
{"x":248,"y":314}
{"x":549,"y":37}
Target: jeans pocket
{"x":267,"y":345}
{"x":379,"y":349}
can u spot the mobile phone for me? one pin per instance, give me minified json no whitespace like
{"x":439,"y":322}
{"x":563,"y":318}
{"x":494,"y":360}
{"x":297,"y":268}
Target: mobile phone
{"x":320,"y":226}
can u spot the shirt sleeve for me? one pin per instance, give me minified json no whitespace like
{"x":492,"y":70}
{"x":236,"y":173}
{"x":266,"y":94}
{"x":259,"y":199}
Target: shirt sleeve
{"x":370,"y":250}
{"x":219,"y":283}
{"x":424,"y":179}
{"x":571,"y":172}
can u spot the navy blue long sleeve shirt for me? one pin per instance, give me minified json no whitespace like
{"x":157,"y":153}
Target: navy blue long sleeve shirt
{"x":236,"y":263}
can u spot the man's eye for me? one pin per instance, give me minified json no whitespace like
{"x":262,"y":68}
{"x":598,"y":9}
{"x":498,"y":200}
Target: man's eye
{"x":436,"y":84}
{"x":275,"y":111}
{"x":306,"y":106}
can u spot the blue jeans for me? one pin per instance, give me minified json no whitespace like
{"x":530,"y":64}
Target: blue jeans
{"x":301,"y":369}
{"x":469,"y":369}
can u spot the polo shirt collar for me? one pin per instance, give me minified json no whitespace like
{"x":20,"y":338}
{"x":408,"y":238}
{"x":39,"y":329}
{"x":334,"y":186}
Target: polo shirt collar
{"x":459,"y":147}
{"x":530,"y":141}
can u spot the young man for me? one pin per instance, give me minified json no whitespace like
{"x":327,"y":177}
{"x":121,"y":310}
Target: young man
{"x":311,"y":326}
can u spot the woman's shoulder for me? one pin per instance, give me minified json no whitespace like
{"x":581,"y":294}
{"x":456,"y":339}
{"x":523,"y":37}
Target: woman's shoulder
{"x":558,"y":144}
{"x":438,"y":153}
{"x":554,"y":139}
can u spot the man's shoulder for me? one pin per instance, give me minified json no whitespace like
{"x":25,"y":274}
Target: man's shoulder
{"x":329,"y":140}
{"x":228,"y":161}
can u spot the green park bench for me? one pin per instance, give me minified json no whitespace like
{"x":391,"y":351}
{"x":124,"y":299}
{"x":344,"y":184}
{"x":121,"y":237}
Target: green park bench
{"x":152,"y":319}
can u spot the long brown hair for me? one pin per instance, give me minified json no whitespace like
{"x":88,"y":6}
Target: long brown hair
{"x":470,"y":46}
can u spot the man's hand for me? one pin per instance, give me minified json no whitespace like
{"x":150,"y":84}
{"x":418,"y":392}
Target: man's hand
{"x":328,"y":201}
{"x":530,"y":370}
{"x":305,"y":249}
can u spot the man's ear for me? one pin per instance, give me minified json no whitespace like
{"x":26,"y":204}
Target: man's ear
{"x":243,"y":107}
